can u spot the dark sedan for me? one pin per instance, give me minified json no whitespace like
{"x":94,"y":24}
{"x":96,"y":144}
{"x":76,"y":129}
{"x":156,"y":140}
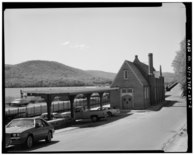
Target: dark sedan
{"x":27,"y":131}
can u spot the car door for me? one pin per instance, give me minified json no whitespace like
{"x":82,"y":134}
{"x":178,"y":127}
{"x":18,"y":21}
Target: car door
{"x":45,"y":129}
{"x":39,"y":132}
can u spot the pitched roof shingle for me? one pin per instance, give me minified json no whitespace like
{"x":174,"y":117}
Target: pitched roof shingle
{"x":138,"y":74}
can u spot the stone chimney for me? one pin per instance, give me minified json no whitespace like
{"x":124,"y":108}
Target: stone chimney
{"x":150,"y":67}
{"x":160,"y":71}
{"x":136,"y":58}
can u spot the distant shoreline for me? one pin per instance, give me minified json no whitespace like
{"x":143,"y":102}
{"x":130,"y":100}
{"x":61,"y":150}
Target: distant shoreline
{"x":58,"y":86}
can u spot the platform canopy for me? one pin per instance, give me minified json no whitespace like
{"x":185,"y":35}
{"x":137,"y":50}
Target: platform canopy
{"x":71,"y":92}
{"x":68,"y":91}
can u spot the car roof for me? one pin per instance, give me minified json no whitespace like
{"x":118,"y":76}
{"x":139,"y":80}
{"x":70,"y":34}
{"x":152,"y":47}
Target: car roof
{"x":24,"y":118}
{"x":28,"y":119}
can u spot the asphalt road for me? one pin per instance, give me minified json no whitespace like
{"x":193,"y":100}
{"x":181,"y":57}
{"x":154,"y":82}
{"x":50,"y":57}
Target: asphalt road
{"x":139,"y":130}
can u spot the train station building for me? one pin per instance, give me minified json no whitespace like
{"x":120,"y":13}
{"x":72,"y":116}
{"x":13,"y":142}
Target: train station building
{"x":139,"y":85}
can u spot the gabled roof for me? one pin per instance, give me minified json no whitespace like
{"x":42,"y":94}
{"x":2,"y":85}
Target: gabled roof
{"x":143,"y":68}
{"x":137,"y":73}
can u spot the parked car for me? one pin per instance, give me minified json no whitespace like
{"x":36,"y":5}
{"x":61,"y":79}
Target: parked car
{"x":19,"y":102}
{"x":110,"y":111}
{"x":64,"y":117}
{"x":53,"y":116}
{"x":27,"y":131}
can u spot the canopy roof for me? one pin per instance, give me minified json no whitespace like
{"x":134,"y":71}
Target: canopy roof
{"x":69,"y":91}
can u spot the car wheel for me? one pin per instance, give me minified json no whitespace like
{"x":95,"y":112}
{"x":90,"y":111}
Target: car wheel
{"x":109,"y":114}
{"x":94,"y":118}
{"x":29,"y":142}
{"x":49,"y":137}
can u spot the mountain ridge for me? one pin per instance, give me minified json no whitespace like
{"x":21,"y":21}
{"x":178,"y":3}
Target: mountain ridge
{"x":41,"y":73}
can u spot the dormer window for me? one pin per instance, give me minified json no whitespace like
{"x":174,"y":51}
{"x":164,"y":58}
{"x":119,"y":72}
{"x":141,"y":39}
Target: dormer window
{"x":125,"y":74}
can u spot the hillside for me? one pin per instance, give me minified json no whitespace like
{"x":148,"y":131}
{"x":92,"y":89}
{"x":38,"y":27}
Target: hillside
{"x":168,"y":77}
{"x":102,"y":74}
{"x":48,"y":73}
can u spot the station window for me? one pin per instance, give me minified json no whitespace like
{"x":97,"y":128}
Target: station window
{"x":124,"y":90}
{"x":146,"y":92}
{"x":129,"y":90}
{"x":125,"y":73}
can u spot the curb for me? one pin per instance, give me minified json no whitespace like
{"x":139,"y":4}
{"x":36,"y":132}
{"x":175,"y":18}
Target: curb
{"x":172,"y":139}
{"x":65,"y":129}
{"x":69,"y":128}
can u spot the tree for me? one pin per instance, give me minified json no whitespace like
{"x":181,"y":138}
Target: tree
{"x":179,"y":65}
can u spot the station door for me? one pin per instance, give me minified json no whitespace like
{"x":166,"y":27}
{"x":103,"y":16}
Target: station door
{"x":127,"y":98}
{"x":127,"y":102}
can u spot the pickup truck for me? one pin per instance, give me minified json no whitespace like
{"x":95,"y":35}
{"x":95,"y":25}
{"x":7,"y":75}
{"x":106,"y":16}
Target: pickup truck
{"x":110,"y":111}
{"x":94,"y":115}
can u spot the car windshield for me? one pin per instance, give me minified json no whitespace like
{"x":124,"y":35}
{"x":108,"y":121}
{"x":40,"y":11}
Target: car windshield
{"x":21,"y":123}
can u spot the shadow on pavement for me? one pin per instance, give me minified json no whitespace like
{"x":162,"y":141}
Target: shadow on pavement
{"x":37,"y":145}
{"x":88,"y":123}
{"x":167,"y":103}
{"x":167,"y":95}
{"x":155,"y":107}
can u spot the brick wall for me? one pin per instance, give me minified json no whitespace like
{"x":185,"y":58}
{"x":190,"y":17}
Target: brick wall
{"x":151,"y":80}
{"x":157,"y":94}
{"x":115,"y":99}
{"x":131,"y":82}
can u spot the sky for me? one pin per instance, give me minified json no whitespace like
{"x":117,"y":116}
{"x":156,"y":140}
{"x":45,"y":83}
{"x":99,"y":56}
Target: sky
{"x":95,"y":38}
